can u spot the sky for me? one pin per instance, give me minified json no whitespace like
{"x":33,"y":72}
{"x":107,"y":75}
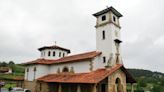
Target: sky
{"x":26,"y":25}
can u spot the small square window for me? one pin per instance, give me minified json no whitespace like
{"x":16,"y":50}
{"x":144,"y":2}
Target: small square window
{"x":103,"y":18}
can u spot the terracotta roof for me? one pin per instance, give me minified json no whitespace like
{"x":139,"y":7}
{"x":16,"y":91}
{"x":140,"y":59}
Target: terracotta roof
{"x":72,"y":58}
{"x":4,"y":69}
{"x":54,"y":47}
{"x":107,"y":10}
{"x":91,"y":77}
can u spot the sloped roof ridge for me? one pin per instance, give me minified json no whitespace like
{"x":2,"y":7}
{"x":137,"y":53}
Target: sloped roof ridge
{"x":54,"y":47}
{"x":81,"y":56}
{"x":88,"y":77}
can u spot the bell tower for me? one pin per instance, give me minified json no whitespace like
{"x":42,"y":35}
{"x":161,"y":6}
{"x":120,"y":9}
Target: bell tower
{"x":108,"y":35}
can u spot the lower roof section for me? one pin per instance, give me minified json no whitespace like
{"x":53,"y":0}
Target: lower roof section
{"x":91,"y":77}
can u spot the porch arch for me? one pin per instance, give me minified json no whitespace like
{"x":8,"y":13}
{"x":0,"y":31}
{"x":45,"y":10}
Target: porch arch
{"x":119,"y":87}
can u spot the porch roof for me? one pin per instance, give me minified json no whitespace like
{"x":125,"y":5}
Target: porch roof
{"x":91,"y":77}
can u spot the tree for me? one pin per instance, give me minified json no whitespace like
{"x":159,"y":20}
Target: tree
{"x":157,"y":88}
{"x":11,"y":63}
{"x":3,"y":64}
{"x":142,"y":83}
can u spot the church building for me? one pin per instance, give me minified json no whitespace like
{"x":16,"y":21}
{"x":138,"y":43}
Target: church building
{"x":101,"y":70}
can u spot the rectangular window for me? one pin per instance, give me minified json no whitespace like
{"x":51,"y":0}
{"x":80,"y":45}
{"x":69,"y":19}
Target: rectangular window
{"x":103,"y":34}
{"x":114,"y":18}
{"x":54,"y":53}
{"x":63,"y":54}
{"x":103,"y":18}
{"x":49,"y":53}
{"x":59,"y":54}
{"x":104,"y":59}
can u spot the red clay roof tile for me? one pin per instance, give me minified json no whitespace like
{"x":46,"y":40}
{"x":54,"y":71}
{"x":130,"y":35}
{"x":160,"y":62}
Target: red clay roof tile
{"x":54,"y":47}
{"x":91,"y":77}
{"x":72,"y":58}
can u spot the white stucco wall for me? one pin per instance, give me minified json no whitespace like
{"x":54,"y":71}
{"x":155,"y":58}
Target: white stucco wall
{"x":98,"y":63}
{"x":99,"y":19}
{"x":78,"y":67}
{"x":44,"y":53}
{"x":41,"y":70}
{"x":107,"y":46}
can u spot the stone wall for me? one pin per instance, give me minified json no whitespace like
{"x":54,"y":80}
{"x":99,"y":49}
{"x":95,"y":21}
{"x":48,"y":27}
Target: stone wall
{"x":30,"y":85}
{"x":35,"y":86}
{"x":42,"y":87}
{"x":112,"y":81}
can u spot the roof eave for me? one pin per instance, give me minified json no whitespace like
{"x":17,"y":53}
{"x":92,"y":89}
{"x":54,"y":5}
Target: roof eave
{"x":107,"y":10}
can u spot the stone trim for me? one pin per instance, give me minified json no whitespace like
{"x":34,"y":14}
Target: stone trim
{"x":103,"y":24}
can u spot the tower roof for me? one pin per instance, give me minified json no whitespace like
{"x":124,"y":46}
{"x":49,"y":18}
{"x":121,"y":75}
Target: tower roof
{"x":107,"y":10}
{"x":54,"y":47}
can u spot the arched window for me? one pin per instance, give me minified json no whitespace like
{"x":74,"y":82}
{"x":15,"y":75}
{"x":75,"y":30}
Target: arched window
{"x":103,"y":18}
{"x":34,"y":68}
{"x":103,"y":35}
{"x":65,"y":69}
{"x":27,"y":70}
{"x":63,"y":54}
{"x":54,"y":53}
{"x":34,"y":72}
{"x":59,"y":54}
{"x":114,"y":18}
{"x":49,"y":53}
{"x":119,"y":87}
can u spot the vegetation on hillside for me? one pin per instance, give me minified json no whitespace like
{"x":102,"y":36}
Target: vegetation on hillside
{"x":17,"y":70}
{"x":148,"y":80}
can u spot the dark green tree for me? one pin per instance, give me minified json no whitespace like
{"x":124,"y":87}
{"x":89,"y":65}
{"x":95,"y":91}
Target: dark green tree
{"x":157,"y":88}
{"x":11,"y":63}
{"x":3,"y":64}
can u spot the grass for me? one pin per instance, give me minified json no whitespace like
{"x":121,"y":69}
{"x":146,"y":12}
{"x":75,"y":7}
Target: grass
{"x":9,"y":85}
{"x":9,"y":76}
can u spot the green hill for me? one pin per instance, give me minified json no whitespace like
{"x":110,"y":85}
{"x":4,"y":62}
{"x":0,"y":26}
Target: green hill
{"x":148,"y":80}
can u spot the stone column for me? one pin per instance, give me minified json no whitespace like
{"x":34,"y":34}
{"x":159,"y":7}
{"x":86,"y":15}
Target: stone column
{"x":60,"y":88}
{"x":78,"y":88}
{"x":132,"y":88}
{"x":94,"y":88}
